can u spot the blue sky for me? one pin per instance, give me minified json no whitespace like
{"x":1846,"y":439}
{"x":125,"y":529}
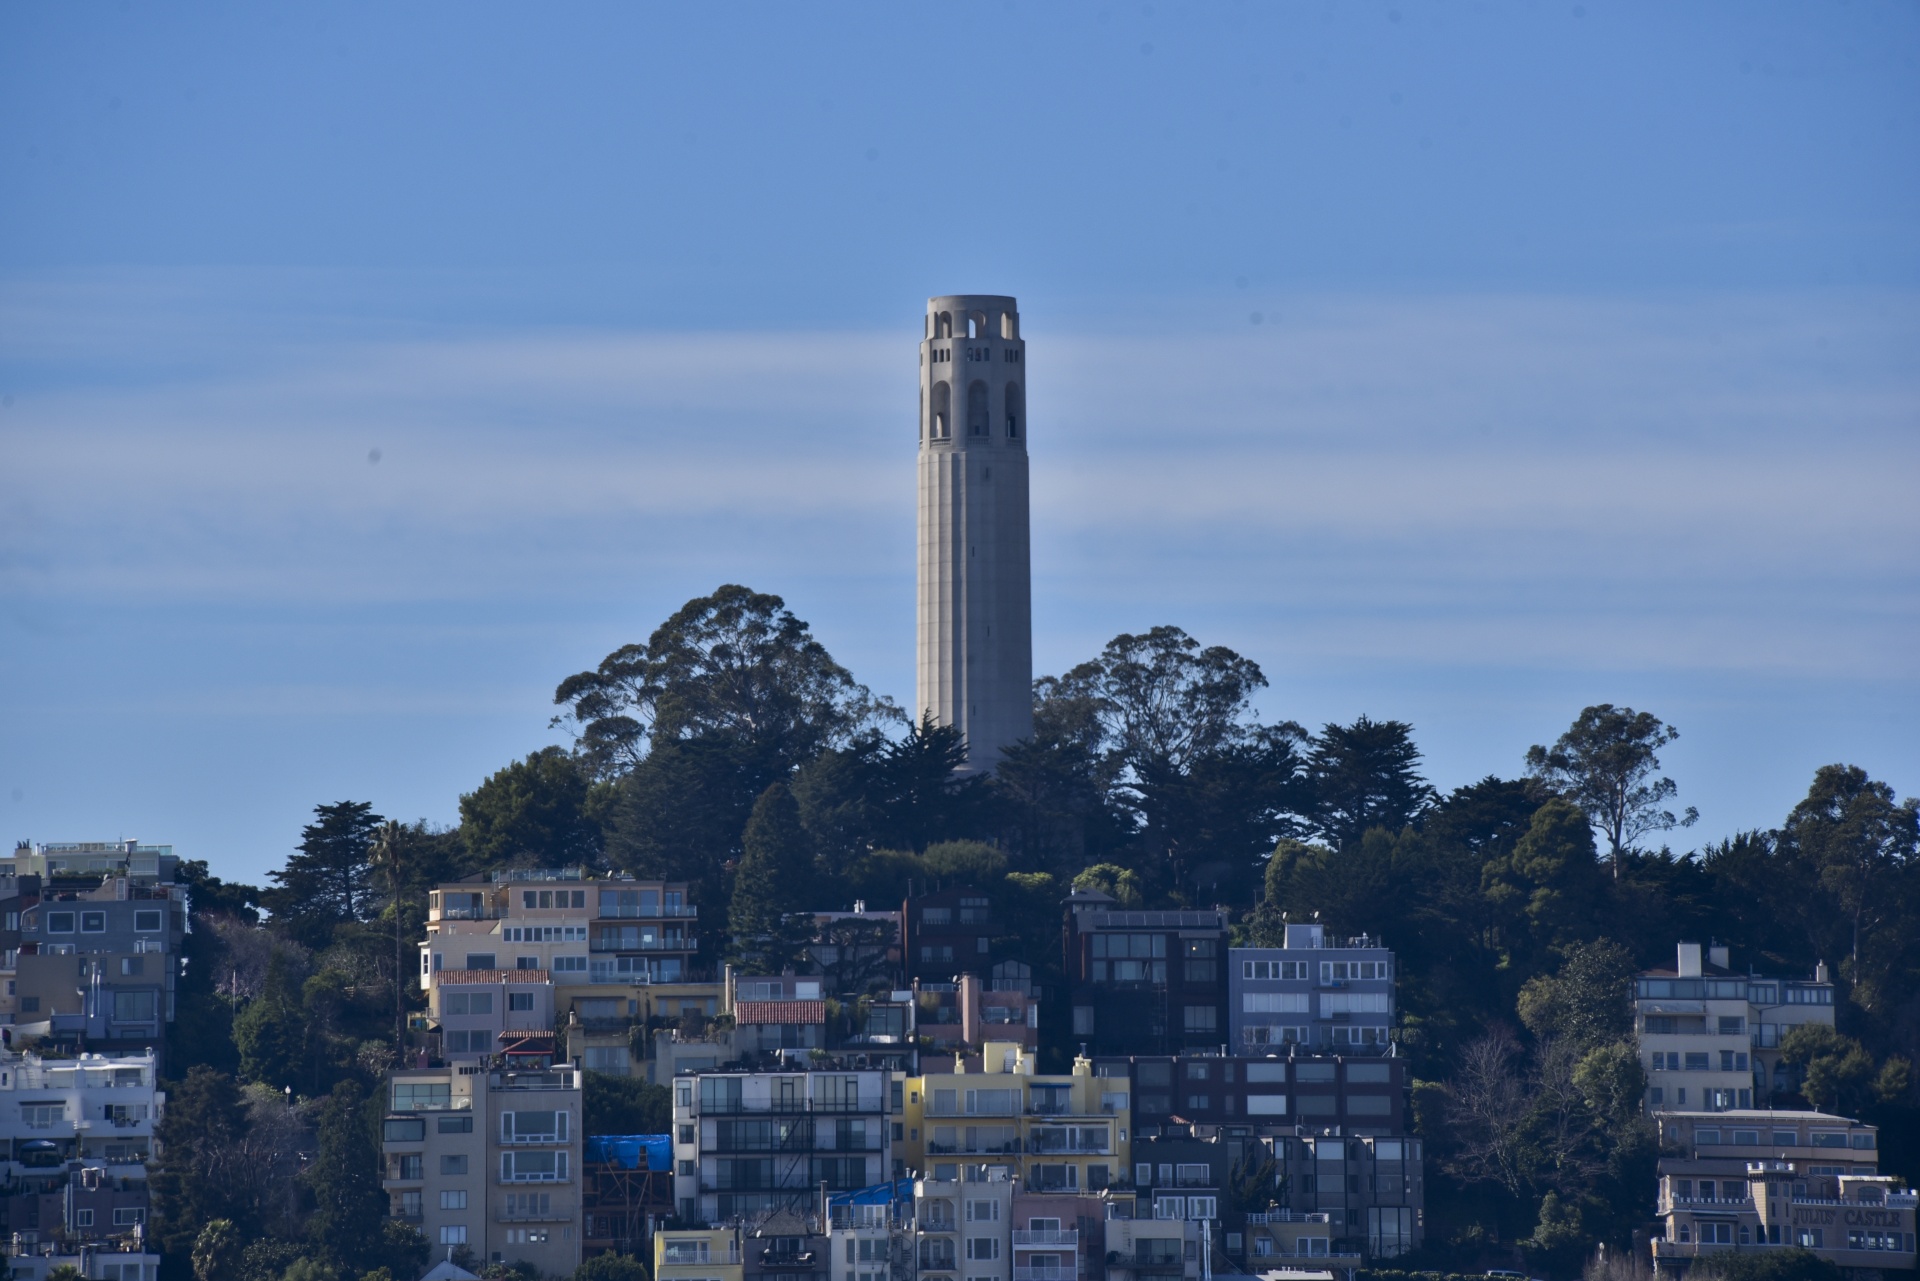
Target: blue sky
{"x":1462,"y":364}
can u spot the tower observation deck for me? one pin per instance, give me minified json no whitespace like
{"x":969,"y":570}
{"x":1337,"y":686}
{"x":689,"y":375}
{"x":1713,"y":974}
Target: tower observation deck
{"x":975,"y":599}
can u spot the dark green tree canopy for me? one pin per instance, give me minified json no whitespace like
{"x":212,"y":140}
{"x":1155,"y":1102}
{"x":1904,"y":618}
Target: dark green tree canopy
{"x":1858,"y":843}
{"x":1365,"y":775}
{"x":328,"y":881}
{"x":775,"y":879}
{"x":1608,"y":763}
{"x":736,"y":665}
{"x":533,"y":813}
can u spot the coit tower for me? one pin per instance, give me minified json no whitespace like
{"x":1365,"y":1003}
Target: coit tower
{"x":975,"y":669}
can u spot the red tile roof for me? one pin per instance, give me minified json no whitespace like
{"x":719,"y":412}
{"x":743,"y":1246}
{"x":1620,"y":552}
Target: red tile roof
{"x":779,"y":1011}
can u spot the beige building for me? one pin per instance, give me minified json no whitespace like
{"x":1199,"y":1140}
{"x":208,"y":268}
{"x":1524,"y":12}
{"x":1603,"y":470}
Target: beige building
{"x":1710,"y":1037}
{"x":995,"y":1112}
{"x":488,"y":1160}
{"x":1753,"y":1181}
{"x":597,"y":955}
{"x":705,"y":1254}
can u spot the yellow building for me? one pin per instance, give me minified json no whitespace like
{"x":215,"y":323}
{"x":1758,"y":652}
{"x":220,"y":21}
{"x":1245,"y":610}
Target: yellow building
{"x":1055,"y":1133}
{"x":703,"y":1254}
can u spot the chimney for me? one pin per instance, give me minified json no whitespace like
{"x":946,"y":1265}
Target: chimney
{"x":1689,"y":964}
{"x":1717,"y":954}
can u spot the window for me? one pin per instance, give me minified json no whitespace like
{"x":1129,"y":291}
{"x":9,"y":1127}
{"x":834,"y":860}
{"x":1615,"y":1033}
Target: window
{"x":519,"y":1002}
{"x":936,"y":916}
{"x":1275,"y":1002}
{"x":533,"y":1167}
{"x":533,"y":1127}
{"x":1369,"y":1105}
{"x":126,"y":1216}
{"x":42,"y":1116}
{"x":133,"y":965}
{"x":983,"y":1248}
{"x":455,"y":1200}
{"x":1732,"y":1025}
{"x":407,"y":1166}
{"x":59,"y":922}
{"x":1266,"y":1104}
{"x":133,"y":1007}
{"x":29,"y":1005}
{"x":421,"y":1096}
{"x":1193,"y":1176}
{"x":1198,"y":1103}
{"x":686,"y":1251}
{"x":1706,"y":1138}
{"x":569,"y":965}
{"x":407,"y":1130}
{"x":83,"y":1218}
{"x":453,"y":1165}
{"x":454,"y":1124}
{"x":1201,"y":1019}
{"x":526,"y":962}
{"x":1697,"y":1061}
{"x":453,"y":1234}
{"x":529,"y":1205}
{"x":93,"y":922}
{"x":481,"y":961}
{"x":1142,"y":1174}
{"x":1203,"y":1207}
{"x":1786,"y":1138}
{"x":456,"y":1002}
{"x":1747,"y":1138}
{"x":1169,"y":1207}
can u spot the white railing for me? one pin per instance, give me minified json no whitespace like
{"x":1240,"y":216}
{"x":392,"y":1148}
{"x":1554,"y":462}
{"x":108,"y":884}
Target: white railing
{"x":1063,"y":1238}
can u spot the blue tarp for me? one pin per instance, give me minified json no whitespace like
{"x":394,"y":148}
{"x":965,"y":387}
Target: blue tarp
{"x":632,"y":1151}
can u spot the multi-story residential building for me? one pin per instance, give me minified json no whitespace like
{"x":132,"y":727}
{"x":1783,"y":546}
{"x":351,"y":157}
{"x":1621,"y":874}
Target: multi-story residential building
{"x":964,"y":1015}
{"x":751,"y":1143}
{"x":870,"y":1233}
{"x":494,"y":1011}
{"x":614,"y":951}
{"x":75,"y":1136}
{"x":698,"y":1254}
{"x":1754,"y":1181}
{"x":945,"y":932}
{"x":1146,"y":1249}
{"x":1058,"y":1236}
{"x":489,"y":1159}
{"x":99,"y":932}
{"x":1145,"y":982}
{"x":1332,"y":996}
{"x":1266,"y":1096}
{"x":995,"y":1111}
{"x":963,"y":1228}
{"x":1710,"y":1037}
{"x":787,"y":1245}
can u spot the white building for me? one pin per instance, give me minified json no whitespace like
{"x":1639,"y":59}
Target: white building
{"x":76,"y":1135}
{"x":1710,"y":1037}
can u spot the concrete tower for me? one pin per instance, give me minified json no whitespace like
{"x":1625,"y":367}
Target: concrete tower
{"x":975,"y":668}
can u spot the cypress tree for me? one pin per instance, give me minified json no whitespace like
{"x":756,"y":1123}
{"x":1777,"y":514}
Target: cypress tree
{"x":775,"y":877}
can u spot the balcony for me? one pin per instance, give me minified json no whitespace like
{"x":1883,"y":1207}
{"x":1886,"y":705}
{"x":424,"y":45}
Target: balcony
{"x":786,"y":1107}
{"x":636,"y":943}
{"x":645,"y":912}
{"x":785,"y":1259}
{"x":1056,"y":1238}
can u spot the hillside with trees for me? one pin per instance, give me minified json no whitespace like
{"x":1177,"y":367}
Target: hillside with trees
{"x":731,"y":751}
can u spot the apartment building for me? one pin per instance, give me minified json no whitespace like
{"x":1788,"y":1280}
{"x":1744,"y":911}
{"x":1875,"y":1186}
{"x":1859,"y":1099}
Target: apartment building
{"x":97,"y":954}
{"x":1266,"y":1096}
{"x":75,"y":1135}
{"x":698,"y":1254}
{"x":962,"y":1228}
{"x":1143,"y":1249}
{"x":965,"y":1014}
{"x":489,"y":1159}
{"x":946,"y":932}
{"x":748,"y":1143}
{"x":1333,"y":996}
{"x":996,"y":1112}
{"x":1754,"y":1180}
{"x":1710,"y":1037}
{"x":1145,"y":982}
{"x":608,"y":952}
{"x":870,"y":1234}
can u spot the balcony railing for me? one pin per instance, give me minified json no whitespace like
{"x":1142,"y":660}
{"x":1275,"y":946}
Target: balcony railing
{"x":786,"y":1107}
{"x":1063,"y":1238}
{"x":1045,"y":1274}
{"x":634,"y":943}
{"x":646,"y":913}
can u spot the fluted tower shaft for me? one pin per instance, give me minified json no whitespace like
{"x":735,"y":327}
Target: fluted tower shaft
{"x":975,"y":669}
